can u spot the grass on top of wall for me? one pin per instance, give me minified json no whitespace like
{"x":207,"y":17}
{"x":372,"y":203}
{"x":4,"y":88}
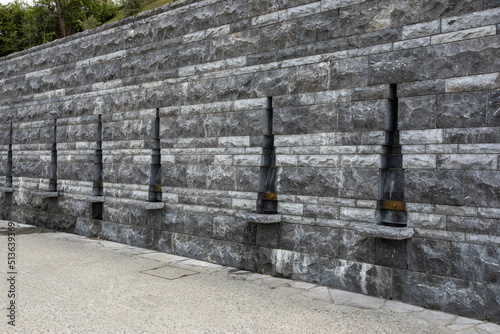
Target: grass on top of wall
{"x":147,"y":5}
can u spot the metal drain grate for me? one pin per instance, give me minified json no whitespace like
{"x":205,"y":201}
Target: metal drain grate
{"x":169,"y":272}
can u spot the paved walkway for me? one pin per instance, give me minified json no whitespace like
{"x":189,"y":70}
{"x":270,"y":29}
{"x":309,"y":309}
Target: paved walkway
{"x":71,"y":284}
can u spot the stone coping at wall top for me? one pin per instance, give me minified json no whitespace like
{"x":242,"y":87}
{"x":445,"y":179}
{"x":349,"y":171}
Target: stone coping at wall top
{"x":259,"y":218}
{"x":384,"y":232}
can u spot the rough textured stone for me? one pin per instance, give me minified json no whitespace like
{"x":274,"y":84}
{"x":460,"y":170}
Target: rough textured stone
{"x":307,"y":182}
{"x":471,"y":113}
{"x":356,"y":277}
{"x":310,"y":239}
{"x":429,"y":256}
{"x":481,"y":188}
{"x":295,"y":265}
{"x":356,"y":247}
{"x":494,"y":108}
{"x":417,"y":112}
{"x":443,"y":187}
{"x":395,"y":67}
{"x":493,"y":302}
{"x":452,"y":295}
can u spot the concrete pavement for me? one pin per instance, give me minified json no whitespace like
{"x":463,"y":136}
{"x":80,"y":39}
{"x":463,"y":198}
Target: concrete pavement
{"x":64,"y":283}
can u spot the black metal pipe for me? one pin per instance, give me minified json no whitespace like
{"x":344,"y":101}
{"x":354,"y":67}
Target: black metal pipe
{"x":392,"y":208}
{"x":155,"y":191}
{"x":8,"y":178}
{"x":267,"y":197}
{"x":97,"y":189}
{"x":53,"y":161}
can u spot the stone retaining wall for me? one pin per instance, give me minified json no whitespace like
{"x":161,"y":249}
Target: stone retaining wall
{"x":374,"y":103}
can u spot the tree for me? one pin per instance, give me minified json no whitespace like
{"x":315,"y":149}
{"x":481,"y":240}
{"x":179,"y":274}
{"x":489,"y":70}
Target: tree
{"x":23,"y":26}
{"x":60,"y":16}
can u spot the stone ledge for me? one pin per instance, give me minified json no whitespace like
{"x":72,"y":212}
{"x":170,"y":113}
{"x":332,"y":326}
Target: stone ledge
{"x":6,"y":189}
{"x":384,"y":232}
{"x":259,"y":218}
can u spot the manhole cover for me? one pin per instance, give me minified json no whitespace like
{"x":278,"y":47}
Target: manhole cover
{"x":169,"y":272}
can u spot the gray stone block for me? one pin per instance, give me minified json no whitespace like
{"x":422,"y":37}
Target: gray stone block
{"x":291,"y":120}
{"x":230,"y":11}
{"x":422,"y":29}
{"x":165,"y":242}
{"x":493,"y":302}
{"x":88,"y":227}
{"x":308,"y":78}
{"x":475,"y":262}
{"x":379,"y":37}
{"x":467,"y":161}
{"x":233,"y":88}
{"x":356,"y":247}
{"x":294,"y":265}
{"x":310,"y":239}
{"x":494,"y":108}
{"x":430,"y":256}
{"x":479,"y":54}
{"x":442,"y":187}
{"x":359,"y":183}
{"x":391,"y":253}
{"x":190,"y":246}
{"x":417,"y":112}
{"x":174,"y":176}
{"x":247,"y":178}
{"x":362,"y":115}
{"x":434,"y":9}
{"x":267,"y":235}
{"x":461,"y":110}
{"x":321,"y":211}
{"x":277,"y":36}
{"x":447,"y":294}
{"x":395,"y":67}
{"x":188,"y":223}
{"x":356,"y":277}
{"x":471,"y":135}
{"x":482,"y":188}
{"x":491,"y":4}
{"x":234,"y":255}
{"x":61,"y":222}
{"x":270,"y":83}
{"x":344,"y":73}
{"x":309,"y":181}
{"x":472,"y":225}
{"x":233,"y":229}
{"x":319,"y":27}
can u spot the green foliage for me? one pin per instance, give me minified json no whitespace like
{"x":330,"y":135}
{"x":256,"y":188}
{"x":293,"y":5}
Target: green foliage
{"x":132,"y":7}
{"x":76,"y":12}
{"x":23,"y":26}
{"x":90,"y":23}
{"x":12,"y":18}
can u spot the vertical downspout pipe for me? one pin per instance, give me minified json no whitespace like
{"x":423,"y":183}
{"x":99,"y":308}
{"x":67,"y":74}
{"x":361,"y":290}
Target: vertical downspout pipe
{"x":154,"y":194}
{"x":53,"y":161}
{"x":8,"y":178}
{"x":97,"y":189}
{"x":267,"y":201}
